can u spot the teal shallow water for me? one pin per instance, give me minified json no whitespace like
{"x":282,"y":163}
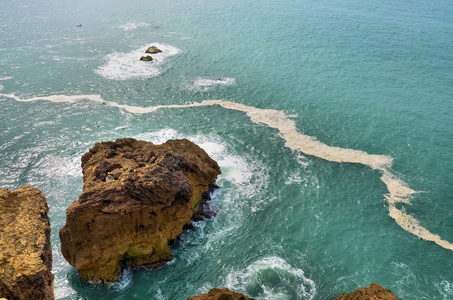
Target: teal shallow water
{"x":364,"y":76}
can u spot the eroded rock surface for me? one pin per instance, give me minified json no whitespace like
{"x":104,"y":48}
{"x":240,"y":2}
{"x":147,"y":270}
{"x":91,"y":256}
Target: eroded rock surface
{"x":153,"y":50}
{"x":25,"y":250}
{"x":137,"y":197}
{"x":146,"y":58}
{"x":373,"y":292}
{"x":220,"y":294}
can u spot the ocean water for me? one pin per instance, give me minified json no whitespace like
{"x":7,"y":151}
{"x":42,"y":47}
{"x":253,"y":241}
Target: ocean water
{"x":332,"y":124}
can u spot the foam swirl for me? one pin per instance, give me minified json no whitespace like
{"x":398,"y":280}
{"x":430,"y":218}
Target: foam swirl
{"x":125,"y":66}
{"x":272,"y":278}
{"x":398,"y":191}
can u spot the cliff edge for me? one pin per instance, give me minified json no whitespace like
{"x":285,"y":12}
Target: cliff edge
{"x":25,"y":250}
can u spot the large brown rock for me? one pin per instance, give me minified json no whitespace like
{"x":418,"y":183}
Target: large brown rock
{"x":373,"y":292}
{"x":220,"y":294}
{"x":25,"y":250}
{"x":136,"y":199}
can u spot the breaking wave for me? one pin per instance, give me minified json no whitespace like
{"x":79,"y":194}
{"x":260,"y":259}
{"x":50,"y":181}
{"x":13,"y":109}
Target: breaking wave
{"x":398,"y":191}
{"x":272,"y":278}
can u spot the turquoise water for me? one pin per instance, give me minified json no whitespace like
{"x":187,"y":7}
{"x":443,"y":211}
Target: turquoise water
{"x":297,"y":219}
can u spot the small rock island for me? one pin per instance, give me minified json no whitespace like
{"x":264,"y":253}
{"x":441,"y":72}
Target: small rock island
{"x":137,"y":197}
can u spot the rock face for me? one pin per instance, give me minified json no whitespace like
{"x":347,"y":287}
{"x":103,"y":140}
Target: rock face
{"x":25,"y":250}
{"x":136,"y":199}
{"x":373,"y":292}
{"x":220,"y":294}
{"x":146,"y":58}
{"x":153,"y":50}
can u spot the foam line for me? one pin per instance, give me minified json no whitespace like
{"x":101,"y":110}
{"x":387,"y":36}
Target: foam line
{"x":412,"y":225}
{"x":304,"y":143}
{"x":398,"y":190}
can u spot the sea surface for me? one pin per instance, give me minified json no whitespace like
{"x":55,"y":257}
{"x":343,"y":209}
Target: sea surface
{"x":332,"y":122}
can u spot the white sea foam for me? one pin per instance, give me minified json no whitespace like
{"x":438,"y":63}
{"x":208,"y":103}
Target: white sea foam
{"x":271,"y":278}
{"x":1,"y":79}
{"x":124,"y":281}
{"x":399,"y":192}
{"x":124,"y":66}
{"x":293,"y":178}
{"x":63,"y":169}
{"x":131,"y":26}
{"x":159,"y":137}
{"x":209,"y":83}
{"x":445,"y":287}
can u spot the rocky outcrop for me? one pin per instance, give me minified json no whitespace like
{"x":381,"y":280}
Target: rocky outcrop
{"x":136,"y":199}
{"x":153,"y":50}
{"x":373,"y":292}
{"x":25,"y":250}
{"x":220,"y":294}
{"x":146,"y":58}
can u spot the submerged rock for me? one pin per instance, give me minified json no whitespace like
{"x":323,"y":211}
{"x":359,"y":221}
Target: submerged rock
{"x":146,"y":58}
{"x":25,"y":250}
{"x":373,"y":292}
{"x":136,"y":199}
{"x":153,"y":50}
{"x":220,"y":294}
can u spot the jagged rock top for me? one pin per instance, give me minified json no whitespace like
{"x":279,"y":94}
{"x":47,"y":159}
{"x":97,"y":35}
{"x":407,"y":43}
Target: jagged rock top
{"x":145,"y":171}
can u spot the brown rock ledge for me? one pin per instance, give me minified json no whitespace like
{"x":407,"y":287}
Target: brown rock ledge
{"x":25,"y":250}
{"x":373,"y":292}
{"x":136,"y":199}
{"x":220,"y":294}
